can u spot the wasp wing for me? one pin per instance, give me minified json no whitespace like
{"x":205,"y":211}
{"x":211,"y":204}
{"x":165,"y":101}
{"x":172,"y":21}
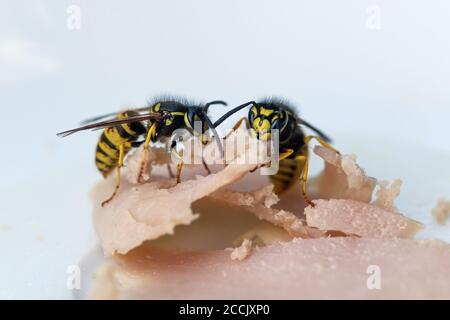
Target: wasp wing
{"x":111,"y":123}
{"x":95,"y":119}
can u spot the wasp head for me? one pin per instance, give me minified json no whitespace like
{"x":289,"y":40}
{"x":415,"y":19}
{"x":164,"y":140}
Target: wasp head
{"x":263,"y":119}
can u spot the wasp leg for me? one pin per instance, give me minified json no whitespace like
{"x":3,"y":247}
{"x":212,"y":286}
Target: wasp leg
{"x":285,"y":154}
{"x":238,"y":124}
{"x":150,"y":134}
{"x":304,"y":175}
{"x":235,"y":127}
{"x":179,"y":165}
{"x":119,"y":166}
{"x":205,"y":141}
{"x":325,"y":144}
{"x":304,"y":178}
{"x":282,"y":156}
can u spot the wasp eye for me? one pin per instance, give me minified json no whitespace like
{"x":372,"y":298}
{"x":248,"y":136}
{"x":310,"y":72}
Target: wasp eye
{"x":253,"y":112}
{"x":275,"y":124}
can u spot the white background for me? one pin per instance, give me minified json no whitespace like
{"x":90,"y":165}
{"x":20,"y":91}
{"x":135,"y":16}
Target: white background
{"x":376,"y":90}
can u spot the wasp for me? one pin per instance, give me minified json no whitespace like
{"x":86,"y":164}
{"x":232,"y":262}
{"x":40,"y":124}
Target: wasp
{"x":127,"y":129}
{"x":276,"y":114}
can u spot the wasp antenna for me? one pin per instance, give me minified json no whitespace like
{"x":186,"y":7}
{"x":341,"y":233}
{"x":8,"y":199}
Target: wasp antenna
{"x":206,"y":107}
{"x":216,"y":135}
{"x":232,"y":111}
{"x":320,"y":133}
{"x":217,"y":102}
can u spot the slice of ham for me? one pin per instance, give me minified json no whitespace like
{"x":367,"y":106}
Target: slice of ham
{"x":359,"y":218}
{"x":326,"y":268}
{"x":260,"y":203}
{"x":349,"y":193}
{"x":293,"y":254}
{"x":342,"y":178}
{"x":148,"y":211}
{"x":387,"y":194}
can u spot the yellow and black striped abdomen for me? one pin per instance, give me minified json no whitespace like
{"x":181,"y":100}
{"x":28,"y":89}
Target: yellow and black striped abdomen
{"x":107,"y":153}
{"x":289,"y":172}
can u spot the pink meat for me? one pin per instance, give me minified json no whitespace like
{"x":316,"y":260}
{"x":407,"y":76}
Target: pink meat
{"x":344,"y":268}
{"x":359,"y":218}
